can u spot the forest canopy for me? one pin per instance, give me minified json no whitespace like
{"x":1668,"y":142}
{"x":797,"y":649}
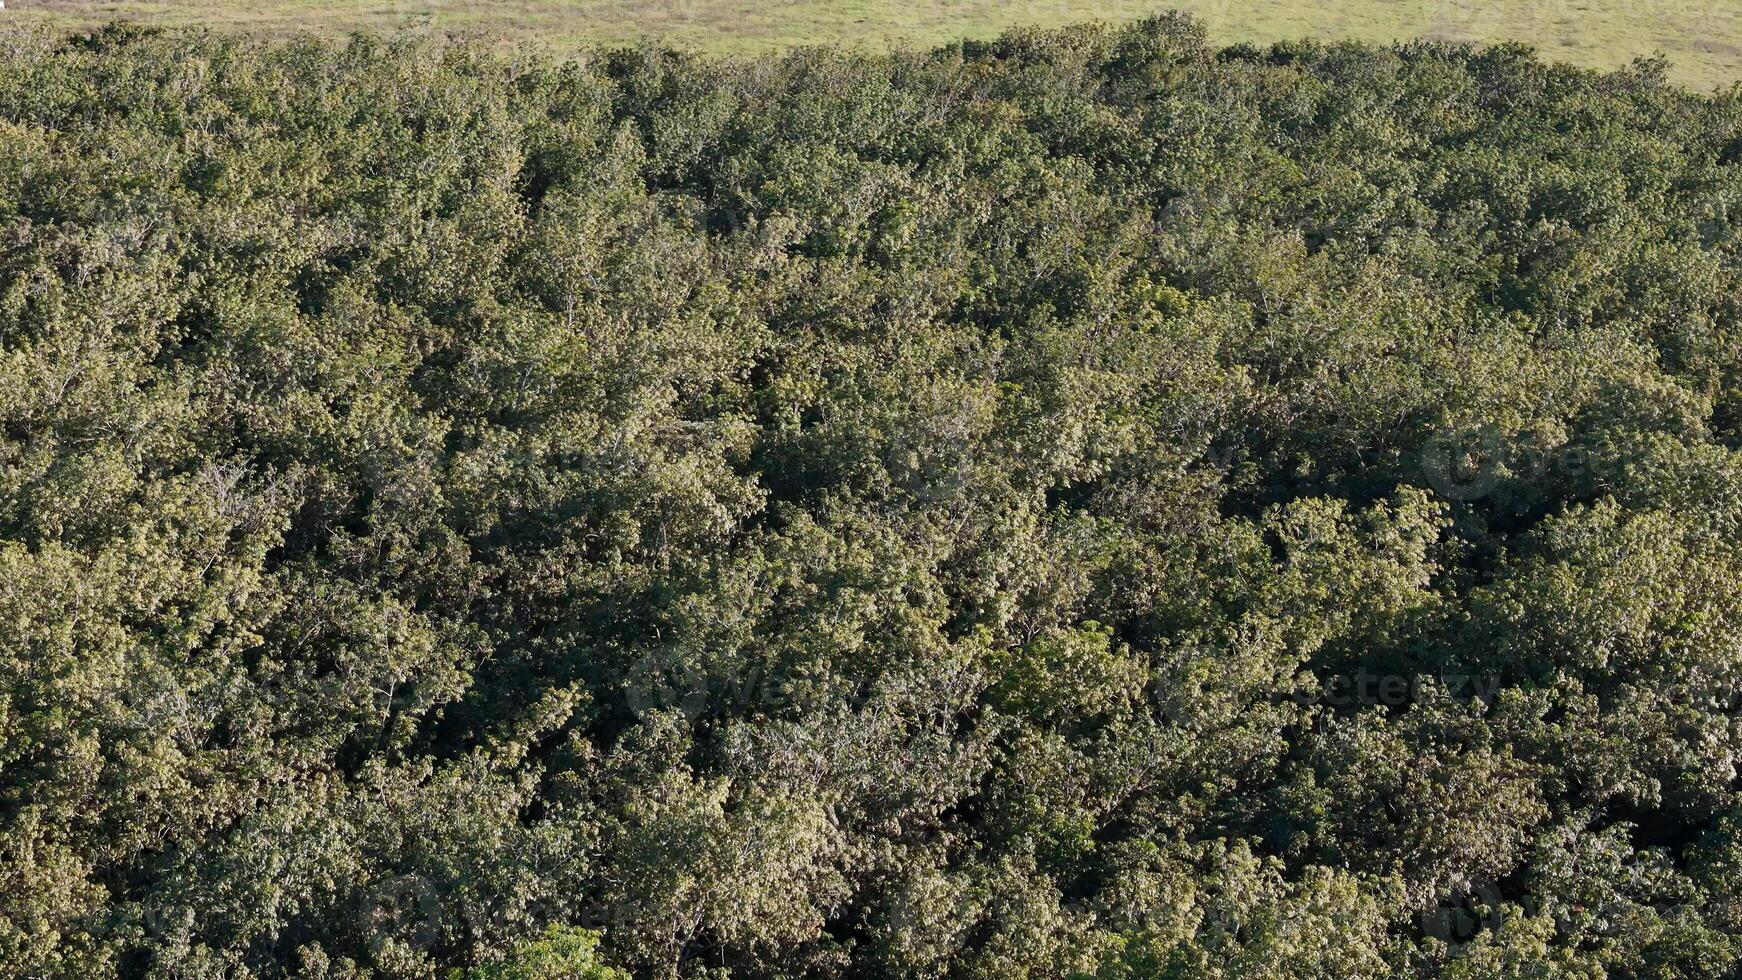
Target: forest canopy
{"x":1087,"y":504}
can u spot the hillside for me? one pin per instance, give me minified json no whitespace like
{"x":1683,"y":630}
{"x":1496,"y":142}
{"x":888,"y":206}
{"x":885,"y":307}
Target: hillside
{"x":1702,"y":38}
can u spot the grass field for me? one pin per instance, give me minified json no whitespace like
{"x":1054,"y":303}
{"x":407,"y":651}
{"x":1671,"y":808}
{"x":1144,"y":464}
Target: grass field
{"x":1703,"y":38}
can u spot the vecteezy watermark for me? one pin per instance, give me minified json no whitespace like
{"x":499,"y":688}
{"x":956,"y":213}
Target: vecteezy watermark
{"x":1464,"y":466}
{"x":1462,"y":915}
{"x":405,"y":907}
{"x":605,"y":916}
{"x":1465,"y":914}
{"x":668,"y":681}
{"x":665,"y":681}
{"x":1469,"y":465}
{"x":1365,"y":688}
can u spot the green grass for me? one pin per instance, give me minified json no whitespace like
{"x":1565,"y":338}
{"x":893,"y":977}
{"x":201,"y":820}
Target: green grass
{"x":1703,"y":38}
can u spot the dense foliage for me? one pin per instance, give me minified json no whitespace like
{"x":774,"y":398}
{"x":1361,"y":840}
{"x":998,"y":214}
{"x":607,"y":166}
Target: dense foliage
{"x":1084,"y":504}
